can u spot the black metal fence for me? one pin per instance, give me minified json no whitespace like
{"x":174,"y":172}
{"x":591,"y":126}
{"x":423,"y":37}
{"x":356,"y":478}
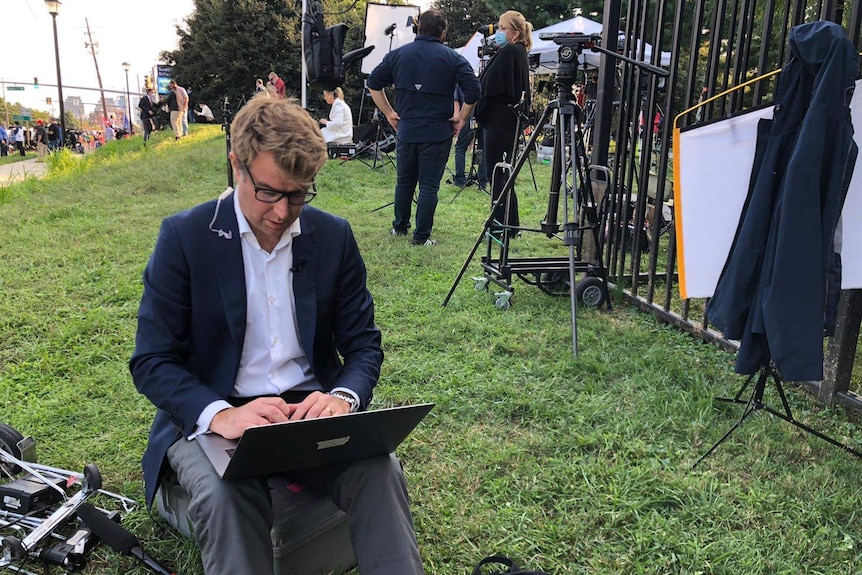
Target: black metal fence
{"x":714,"y":45}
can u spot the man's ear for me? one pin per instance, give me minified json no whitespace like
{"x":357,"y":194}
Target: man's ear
{"x":235,"y":165}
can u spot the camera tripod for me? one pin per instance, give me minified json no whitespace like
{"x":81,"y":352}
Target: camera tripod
{"x":570,"y":178}
{"x":582,"y":213}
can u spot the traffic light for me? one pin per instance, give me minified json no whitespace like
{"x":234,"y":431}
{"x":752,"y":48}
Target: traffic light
{"x":148,"y":82}
{"x":35,"y":82}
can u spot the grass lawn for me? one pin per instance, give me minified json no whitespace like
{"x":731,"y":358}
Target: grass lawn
{"x":14,"y":157}
{"x":572,"y":466}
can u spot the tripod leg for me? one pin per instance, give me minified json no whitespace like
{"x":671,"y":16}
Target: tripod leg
{"x":736,"y":398}
{"x":518,"y":165}
{"x":788,"y":417}
{"x":749,"y":409}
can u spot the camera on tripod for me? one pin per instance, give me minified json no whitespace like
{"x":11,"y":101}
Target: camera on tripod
{"x":487,"y":44}
{"x":571,"y":45}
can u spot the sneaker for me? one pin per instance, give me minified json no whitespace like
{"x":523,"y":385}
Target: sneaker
{"x":394,"y":232}
{"x":428,"y":242}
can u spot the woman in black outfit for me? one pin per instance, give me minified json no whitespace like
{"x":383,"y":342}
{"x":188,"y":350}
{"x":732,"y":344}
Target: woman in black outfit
{"x":505,"y":81}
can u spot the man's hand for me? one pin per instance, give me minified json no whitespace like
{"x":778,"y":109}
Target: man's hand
{"x":457,"y":123}
{"x":393,"y":117}
{"x":316,"y":405}
{"x":231,"y":423}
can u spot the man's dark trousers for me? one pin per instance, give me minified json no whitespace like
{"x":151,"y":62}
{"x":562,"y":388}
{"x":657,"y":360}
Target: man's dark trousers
{"x":465,"y":137}
{"x":424,"y":163}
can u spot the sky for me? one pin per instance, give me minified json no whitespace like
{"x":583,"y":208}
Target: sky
{"x":125,"y":32}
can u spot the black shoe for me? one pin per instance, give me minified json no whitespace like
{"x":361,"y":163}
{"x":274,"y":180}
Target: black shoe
{"x":394,"y":232}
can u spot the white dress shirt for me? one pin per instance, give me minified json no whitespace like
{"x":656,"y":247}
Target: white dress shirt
{"x":273,"y":360}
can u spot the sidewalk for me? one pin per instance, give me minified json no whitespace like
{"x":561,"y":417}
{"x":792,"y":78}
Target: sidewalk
{"x":17,"y":171}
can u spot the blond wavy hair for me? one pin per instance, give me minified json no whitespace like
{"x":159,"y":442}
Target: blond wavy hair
{"x":284,"y":128}
{"x":516,"y":21}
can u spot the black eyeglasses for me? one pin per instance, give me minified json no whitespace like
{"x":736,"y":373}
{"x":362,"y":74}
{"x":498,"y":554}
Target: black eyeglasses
{"x":267,"y":196}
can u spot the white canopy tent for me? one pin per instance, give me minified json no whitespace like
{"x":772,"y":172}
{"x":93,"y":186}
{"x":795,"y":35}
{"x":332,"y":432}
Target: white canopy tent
{"x":546,"y":50}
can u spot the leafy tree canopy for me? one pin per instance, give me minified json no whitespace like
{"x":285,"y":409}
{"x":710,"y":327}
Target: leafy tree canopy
{"x":225,"y":45}
{"x":464,"y":17}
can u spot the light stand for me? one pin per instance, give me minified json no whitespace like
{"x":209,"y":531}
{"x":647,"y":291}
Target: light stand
{"x":390,"y":31}
{"x":227,"y":116}
{"x":755,"y":403}
{"x":53,"y":10}
{"x":126,"y":67}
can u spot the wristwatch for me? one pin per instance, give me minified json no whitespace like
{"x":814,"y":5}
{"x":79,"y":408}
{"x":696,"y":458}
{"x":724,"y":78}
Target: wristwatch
{"x":351,"y":401}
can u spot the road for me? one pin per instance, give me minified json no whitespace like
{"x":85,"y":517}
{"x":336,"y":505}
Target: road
{"x":17,"y":171}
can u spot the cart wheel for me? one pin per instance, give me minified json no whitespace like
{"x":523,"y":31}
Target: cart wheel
{"x":590,"y":291}
{"x":92,"y":478}
{"x":503,"y":303}
{"x":9,"y":438}
{"x":15,"y":547}
{"x":480,"y":284}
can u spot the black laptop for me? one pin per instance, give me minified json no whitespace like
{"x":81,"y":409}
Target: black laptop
{"x":281,"y":447}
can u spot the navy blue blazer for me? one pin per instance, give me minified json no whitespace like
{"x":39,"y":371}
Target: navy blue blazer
{"x":191,"y":321}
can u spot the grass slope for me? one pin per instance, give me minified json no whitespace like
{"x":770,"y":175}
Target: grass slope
{"x":570,"y":466}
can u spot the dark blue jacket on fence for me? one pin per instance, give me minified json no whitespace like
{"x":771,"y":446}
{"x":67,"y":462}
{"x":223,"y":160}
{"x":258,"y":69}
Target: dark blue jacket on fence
{"x":778,"y":292}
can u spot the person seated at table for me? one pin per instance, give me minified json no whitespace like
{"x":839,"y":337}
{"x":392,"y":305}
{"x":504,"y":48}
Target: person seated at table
{"x":338,"y":129}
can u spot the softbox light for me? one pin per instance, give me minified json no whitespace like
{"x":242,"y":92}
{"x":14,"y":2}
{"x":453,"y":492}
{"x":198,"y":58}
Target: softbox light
{"x":387,"y":27}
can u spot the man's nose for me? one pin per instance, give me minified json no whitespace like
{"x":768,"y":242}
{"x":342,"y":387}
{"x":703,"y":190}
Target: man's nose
{"x":281,"y":207}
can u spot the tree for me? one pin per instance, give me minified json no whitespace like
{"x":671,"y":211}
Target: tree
{"x":464,"y":17}
{"x":224,"y":45}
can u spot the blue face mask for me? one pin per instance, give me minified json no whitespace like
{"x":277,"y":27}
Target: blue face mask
{"x":500,"y":38}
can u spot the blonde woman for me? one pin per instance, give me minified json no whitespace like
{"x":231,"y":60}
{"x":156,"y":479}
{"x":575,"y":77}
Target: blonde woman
{"x":338,"y":128}
{"x":504,"y":81}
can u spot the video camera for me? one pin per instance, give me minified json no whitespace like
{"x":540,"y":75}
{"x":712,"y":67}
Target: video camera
{"x":487,"y":44}
{"x":577,"y":41}
{"x":571,"y":45}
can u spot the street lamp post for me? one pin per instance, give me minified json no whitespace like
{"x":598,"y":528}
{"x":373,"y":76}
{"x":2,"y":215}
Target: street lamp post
{"x":53,"y":10}
{"x":126,"y":67}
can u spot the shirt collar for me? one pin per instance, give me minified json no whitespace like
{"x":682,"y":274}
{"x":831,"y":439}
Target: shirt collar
{"x":245,"y":230}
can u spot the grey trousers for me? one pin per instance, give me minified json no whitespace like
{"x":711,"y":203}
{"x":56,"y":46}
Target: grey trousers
{"x":232,"y":519}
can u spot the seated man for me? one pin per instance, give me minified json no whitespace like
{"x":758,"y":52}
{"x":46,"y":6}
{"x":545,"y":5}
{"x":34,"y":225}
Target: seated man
{"x":255,"y":310}
{"x":205,"y":115}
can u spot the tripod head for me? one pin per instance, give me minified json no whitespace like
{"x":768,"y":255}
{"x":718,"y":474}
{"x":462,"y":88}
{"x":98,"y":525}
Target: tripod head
{"x":571,"y":46}
{"x":227,"y":114}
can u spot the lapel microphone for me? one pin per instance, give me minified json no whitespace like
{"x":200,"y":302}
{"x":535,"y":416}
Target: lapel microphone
{"x":298,"y":265}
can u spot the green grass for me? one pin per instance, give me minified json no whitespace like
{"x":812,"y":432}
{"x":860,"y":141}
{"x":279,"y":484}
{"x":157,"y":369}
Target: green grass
{"x":15,"y":157}
{"x":572,"y":466}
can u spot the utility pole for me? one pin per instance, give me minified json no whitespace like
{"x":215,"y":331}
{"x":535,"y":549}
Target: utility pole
{"x":5,"y":102}
{"x":92,"y":47}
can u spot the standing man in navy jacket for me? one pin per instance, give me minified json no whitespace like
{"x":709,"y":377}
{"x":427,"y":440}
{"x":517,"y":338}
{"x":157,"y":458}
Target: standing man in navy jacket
{"x":425,"y":73}
{"x":255,"y":310}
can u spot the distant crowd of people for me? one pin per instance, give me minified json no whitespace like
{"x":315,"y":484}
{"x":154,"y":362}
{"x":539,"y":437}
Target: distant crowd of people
{"x":42,"y":137}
